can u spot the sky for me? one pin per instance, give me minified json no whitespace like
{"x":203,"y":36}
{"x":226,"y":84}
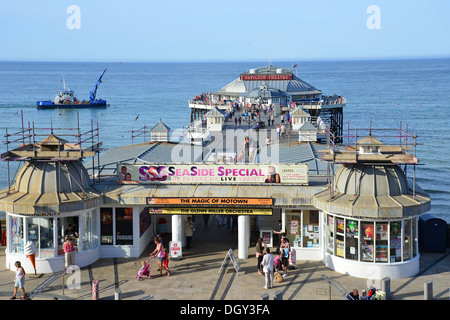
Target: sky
{"x":232,"y":30}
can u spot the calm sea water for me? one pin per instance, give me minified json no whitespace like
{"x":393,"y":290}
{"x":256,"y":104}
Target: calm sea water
{"x":385,"y":93}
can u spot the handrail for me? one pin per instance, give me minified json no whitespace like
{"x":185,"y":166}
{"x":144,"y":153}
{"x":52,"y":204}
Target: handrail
{"x":46,"y":283}
{"x":338,"y":287}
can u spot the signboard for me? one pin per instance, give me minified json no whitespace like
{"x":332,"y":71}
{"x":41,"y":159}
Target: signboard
{"x":175,"y":249}
{"x":226,"y":211}
{"x":267,"y":236}
{"x":212,"y":173}
{"x":265,"y":77}
{"x":210,"y":201}
{"x":230,"y":254}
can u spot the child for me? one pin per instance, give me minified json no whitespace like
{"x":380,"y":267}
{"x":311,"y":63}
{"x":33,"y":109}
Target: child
{"x":166,"y":258}
{"x":143,"y":271}
{"x":19,"y":281}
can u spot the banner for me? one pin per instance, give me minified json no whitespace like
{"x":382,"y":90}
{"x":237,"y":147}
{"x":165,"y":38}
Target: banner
{"x":212,"y":173}
{"x":210,"y":201}
{"x":265,"y":77}
{"x":227,"y":211}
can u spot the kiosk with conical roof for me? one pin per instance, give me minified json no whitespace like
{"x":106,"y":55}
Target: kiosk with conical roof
{"x":371,"y":209}
{"x":52,"y":196}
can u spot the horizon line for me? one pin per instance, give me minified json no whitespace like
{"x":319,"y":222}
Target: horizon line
{"x":235,"y":60}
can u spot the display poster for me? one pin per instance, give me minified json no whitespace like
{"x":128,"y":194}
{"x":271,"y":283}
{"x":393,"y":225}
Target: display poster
{"x":368,"y":231}
{"x":381,"y":253}
{"x":106,"y":226}
{"x":340,"y":248}
{"x":367,"y":252}
{"x":124,"y":226}
{"x":330,"y":245}
{"x":212,"y":173}
{"x":267,"y":236}
{"x":340,"y":225}
{"x":331,"y":224}
{"x":352,"y":228}
{"x":382,"y":231}
{"x":294,"y":227}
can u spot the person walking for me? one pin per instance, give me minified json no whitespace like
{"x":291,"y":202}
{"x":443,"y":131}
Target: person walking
{"x":159,"y":254}
{"x":19,"y":280}
{"x":189,"y":232}
{"x":69,"y":252}
{"x":259,"y":254}
{"x":267,"y":264}
{"x":284,"y":253}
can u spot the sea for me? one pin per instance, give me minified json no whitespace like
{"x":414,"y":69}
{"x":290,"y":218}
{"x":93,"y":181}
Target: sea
{"x":413,"y":94}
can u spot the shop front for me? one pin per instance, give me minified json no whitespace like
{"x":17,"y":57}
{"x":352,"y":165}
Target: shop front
{"x":304,"y":232}
{"x":47,"y":236}
{"x":369,"y":248}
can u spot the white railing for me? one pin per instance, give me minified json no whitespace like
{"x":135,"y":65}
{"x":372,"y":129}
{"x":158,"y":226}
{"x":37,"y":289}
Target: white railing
{"x":316,"y":104}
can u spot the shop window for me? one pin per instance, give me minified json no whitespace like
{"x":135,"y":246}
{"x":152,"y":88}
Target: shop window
{"x":407,"y":241}
{"x":124,"y":226}
{"x":330,"y":234}
{"x":367,"y":241}
{"x":293,"y":228}
{"x":395,"y":241}
{"x":310,"y":229}
{"x":106,"y":226}
{"x":89,"y":231}
{"x":340,"y":230}
{"x":381,"y":252}
{"x":351,"y":239}
{"x":40,"y":233}
{"x":67,"y":227}
{"x":17,"y":236}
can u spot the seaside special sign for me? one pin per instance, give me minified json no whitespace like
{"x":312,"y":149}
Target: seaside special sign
{"x":212,"y":173}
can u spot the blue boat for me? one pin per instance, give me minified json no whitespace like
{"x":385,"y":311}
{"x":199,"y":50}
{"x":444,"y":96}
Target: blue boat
{"x":67,"y":99}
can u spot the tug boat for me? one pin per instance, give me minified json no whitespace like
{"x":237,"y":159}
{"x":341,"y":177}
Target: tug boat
{"x":67,"y":99}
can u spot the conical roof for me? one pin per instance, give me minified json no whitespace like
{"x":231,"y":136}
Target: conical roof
{"x":369,"y":141}
{"x":50,"y":187}
{"x":373,"y":191}
{"x":160,"y":127}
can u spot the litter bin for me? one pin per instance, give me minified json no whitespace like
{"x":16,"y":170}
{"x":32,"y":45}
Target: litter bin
{"x":432,"y":233}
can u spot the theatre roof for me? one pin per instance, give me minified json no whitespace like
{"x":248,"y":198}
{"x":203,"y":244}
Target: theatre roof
{"x":291,"y":85}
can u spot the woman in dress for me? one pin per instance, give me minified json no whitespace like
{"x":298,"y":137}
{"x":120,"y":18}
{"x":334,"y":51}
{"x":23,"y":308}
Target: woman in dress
{"x":159,"y":254}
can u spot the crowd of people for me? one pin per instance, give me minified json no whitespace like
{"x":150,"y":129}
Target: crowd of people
{"x":370,"y":295}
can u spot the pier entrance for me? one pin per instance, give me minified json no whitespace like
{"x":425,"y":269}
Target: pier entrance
{"x":229,"y":222}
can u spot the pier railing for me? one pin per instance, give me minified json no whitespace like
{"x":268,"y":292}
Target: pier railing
{"x":320,"y":103}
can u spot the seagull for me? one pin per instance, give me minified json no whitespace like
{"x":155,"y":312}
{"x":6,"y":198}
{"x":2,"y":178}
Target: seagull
{"x":136,"y":118}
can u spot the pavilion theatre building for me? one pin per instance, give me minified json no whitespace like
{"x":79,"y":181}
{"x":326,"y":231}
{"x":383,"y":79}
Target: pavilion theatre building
{"x":352,"y":208}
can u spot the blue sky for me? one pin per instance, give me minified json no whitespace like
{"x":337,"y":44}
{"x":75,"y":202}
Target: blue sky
{"x":198,"y":30}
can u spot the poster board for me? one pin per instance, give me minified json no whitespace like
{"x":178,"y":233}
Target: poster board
{"x":175,"y":249}
{"x":267,"y":236}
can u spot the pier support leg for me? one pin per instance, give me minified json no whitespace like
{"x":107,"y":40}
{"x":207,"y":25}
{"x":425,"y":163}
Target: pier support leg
{"x":243,"y":234}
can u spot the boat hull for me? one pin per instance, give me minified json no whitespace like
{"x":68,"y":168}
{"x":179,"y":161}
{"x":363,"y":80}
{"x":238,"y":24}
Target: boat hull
{"x":51,"y":105}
